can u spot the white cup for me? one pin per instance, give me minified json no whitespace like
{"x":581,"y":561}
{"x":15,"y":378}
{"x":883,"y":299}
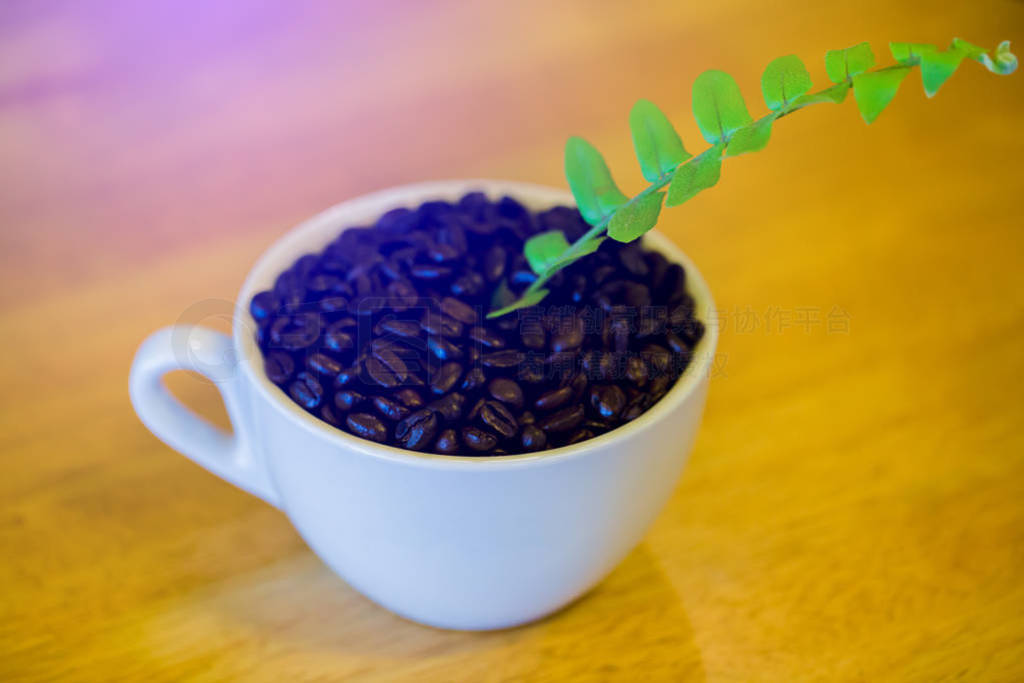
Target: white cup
{"x":454,"y":542}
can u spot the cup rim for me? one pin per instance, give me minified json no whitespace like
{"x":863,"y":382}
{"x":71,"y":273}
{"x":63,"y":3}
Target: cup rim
{"x":366,"y":208}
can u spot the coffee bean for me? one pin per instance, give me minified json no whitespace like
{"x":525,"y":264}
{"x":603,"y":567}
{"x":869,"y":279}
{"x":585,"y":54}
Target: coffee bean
{"x":556,"y":398}
{"x":478,"y":439}
{"x":379,"y":373}
{"x":531,"y":371}
{"x":568,"y":337}
{"x":429,"y":271}
{"x":469,"y":285}
{"x":402,"y":328}
{"x":306,"y":390}
{"x":440,"y":253}
{"x":526,"y":418}
{"x":443,"y":349}
{"x":387,"y":354}
{"x":498,"y":418}
{"x":473,"y":380}
{"x":347,"y":399}
{"x":447,"y":443}
{"x":533,"y":337}
{"x":441,"y":325}
{"x":410,"y":398}
{"x":658,"y":358}
{"x":509,"y":358}
{"x":533,"y":439}
{"x":367,"y":426}
{"x":296,"y":331}
{"x":564,"y":420}
{"x":338,"y":340}
{"x":445,"y":377}
{"x":334,"y":304}
{"x":636,"y":407}
{"x":417,"y":431}
{"x":458,"y":310}
{"x":279,"y":366}
{"x":578,"y":436}
{"x":632,"y":259}
{"x":636,"y":370}
{"x":401,"y":296}
{"x":329,"y":414}
{"x":346,"y":377}
{"x":392,"y":410}
{"x":607,"y":400}
{"x":494,"y":263}
{"x":506,"y":391}
{"x":449,"y":406}
{"x":486,"y":337}
{"x":323,"y":364}
{"x":263,"y":306}
{"x":691,"y":331}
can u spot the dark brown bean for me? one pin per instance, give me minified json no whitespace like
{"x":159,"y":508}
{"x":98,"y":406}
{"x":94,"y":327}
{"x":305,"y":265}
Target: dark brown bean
{"x":429,"y":271}
{"x":578,"y":436}
{"x":279,"y":366}
{"x":294,"y":332}
{"x":533,"y":439}
{"x":478,"y":439}
{"x":568,"y":337}
{"x":392,"y":410}
{"x":556,"y":398}
{"x":388,"y":356}
{"x":410,"y":398}
{"x":306,"y":390}
{"x":447,"y":443}
{"x":507,"y":391}
{"x":636,"y":370}
{"x":459,"y":310}
{"x":441,"y":325}
{"x":402,"y":328}
{"x":533,"y":337}
{"x":323,"y":364}
{"x":449,"y":406}
{"x":473,"y":380}
{"x":338,"y":339}
{"x":469,"y":285}
{"x":445,"y":377}
{"x":416,"y":432}
{"x":494,"y":263}
{"x":499,"y":419}
{"x":485,"y":337}
{"x":444,"y":349}
{"x":379,"y":373}
{"x":348,"y":399}
{"x":607,"y":400}
{"x":367,"y":426}
{"x":334,"y":304}
{"x":564,"y":420}
{"x":509,"y":358}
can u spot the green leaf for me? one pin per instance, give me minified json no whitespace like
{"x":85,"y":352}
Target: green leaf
{"x":580,"y":249}
{"x":969,"y":50}
{"x":544,"y":249}
{"x":698,"y":174}
{"x":836,"y":94}
{"x":590,"y":181}
{"x":657,"y":144}
{"x":936,"y":66}
{"x":750,"y":138}
{"x":1004,"y":62}
{"x":636,"y":218}
{"x":784,"y":80}
{"x":718,"y":106}
{"x":848,"y":62}
{"x":529,"y":299}
{"x":874,"y":91}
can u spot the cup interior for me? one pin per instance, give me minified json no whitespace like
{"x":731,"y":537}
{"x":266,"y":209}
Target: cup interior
{"x":317,"y":232}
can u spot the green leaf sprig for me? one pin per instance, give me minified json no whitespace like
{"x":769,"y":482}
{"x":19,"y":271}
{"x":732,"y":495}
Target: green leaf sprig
{"x":727,"y":126}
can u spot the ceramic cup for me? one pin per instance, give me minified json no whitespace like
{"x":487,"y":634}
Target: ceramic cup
{"x":454,"y":542}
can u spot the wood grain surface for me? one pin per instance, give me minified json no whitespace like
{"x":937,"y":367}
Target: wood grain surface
{"x":854,"y":508}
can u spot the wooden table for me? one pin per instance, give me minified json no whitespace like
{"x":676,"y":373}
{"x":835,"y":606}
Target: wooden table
{"x":854,"y":508}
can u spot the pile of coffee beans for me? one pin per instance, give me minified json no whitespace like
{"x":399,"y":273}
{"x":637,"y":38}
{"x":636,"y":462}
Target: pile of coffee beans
{"x":383,"y":334}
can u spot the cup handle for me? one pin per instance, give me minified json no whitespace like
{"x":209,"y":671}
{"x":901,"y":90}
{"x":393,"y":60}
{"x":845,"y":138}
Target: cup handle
{"x":211,"y":354}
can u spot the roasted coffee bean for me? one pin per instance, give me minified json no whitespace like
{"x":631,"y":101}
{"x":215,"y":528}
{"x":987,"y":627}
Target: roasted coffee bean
{"x":578,"y":436}
{"x":692,"y":331}
{"x":675,"y":344}
{"x":556,"y":398}
{"x":673,"y":284}
{"x":533,"y":337}
{"x":347,"y":399}
{"x":387,"y":355}
{"x":441,"y":325}
{"x":444,"y":349}
{"x":279,"y":366}
{"x":636,"y":370}
{"x":449,"y":406}
{"x":632,"y":259}
{"x":263,"y":306}
{"x":658,"y":358}
{"x":338,"y":340}
{"x":479,"y":440}
{"x":494,"y":263}
{"x":636,"y":407}
{"x":486,"y":337}
{"x":506,"y":391}
{"x":445,"y":377}
{"x":334,"y":304}
{"x":533,"y":439}
{"x":306,"y":390}
{"x":417,"y":431}
{"x":346,"y":377}
{"x":323,"y":364}
{"x":469,"y":285}
{"x":392,"y":410}
{"x":578,"y":385}
{"x":607,"y":400}
{"x":401,"y":328}
{"x":564,"y":420}
{"x":410,"y":398}
{"x":531,"y":371}
{"x":473,"y":380}
{"x":379,"y":373}
{"x":509,"y":358}
{"x":429,"y":271}
{"x":526,"y":418}
{"x":329,"y":414}
{"x":401,"y":296}
{"x":498,"y":418}
{"x":659,"y":386}
{"x":568,"y":337}
{"x":459,"y":310}
{"x":447,"y":443}
{"x":440,"y":253}
{"x":296,"y":331}
{"x":367,"y":426}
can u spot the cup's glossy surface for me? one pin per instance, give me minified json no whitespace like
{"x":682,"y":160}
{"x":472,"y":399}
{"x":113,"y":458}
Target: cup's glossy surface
{"x":455,"y":542}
